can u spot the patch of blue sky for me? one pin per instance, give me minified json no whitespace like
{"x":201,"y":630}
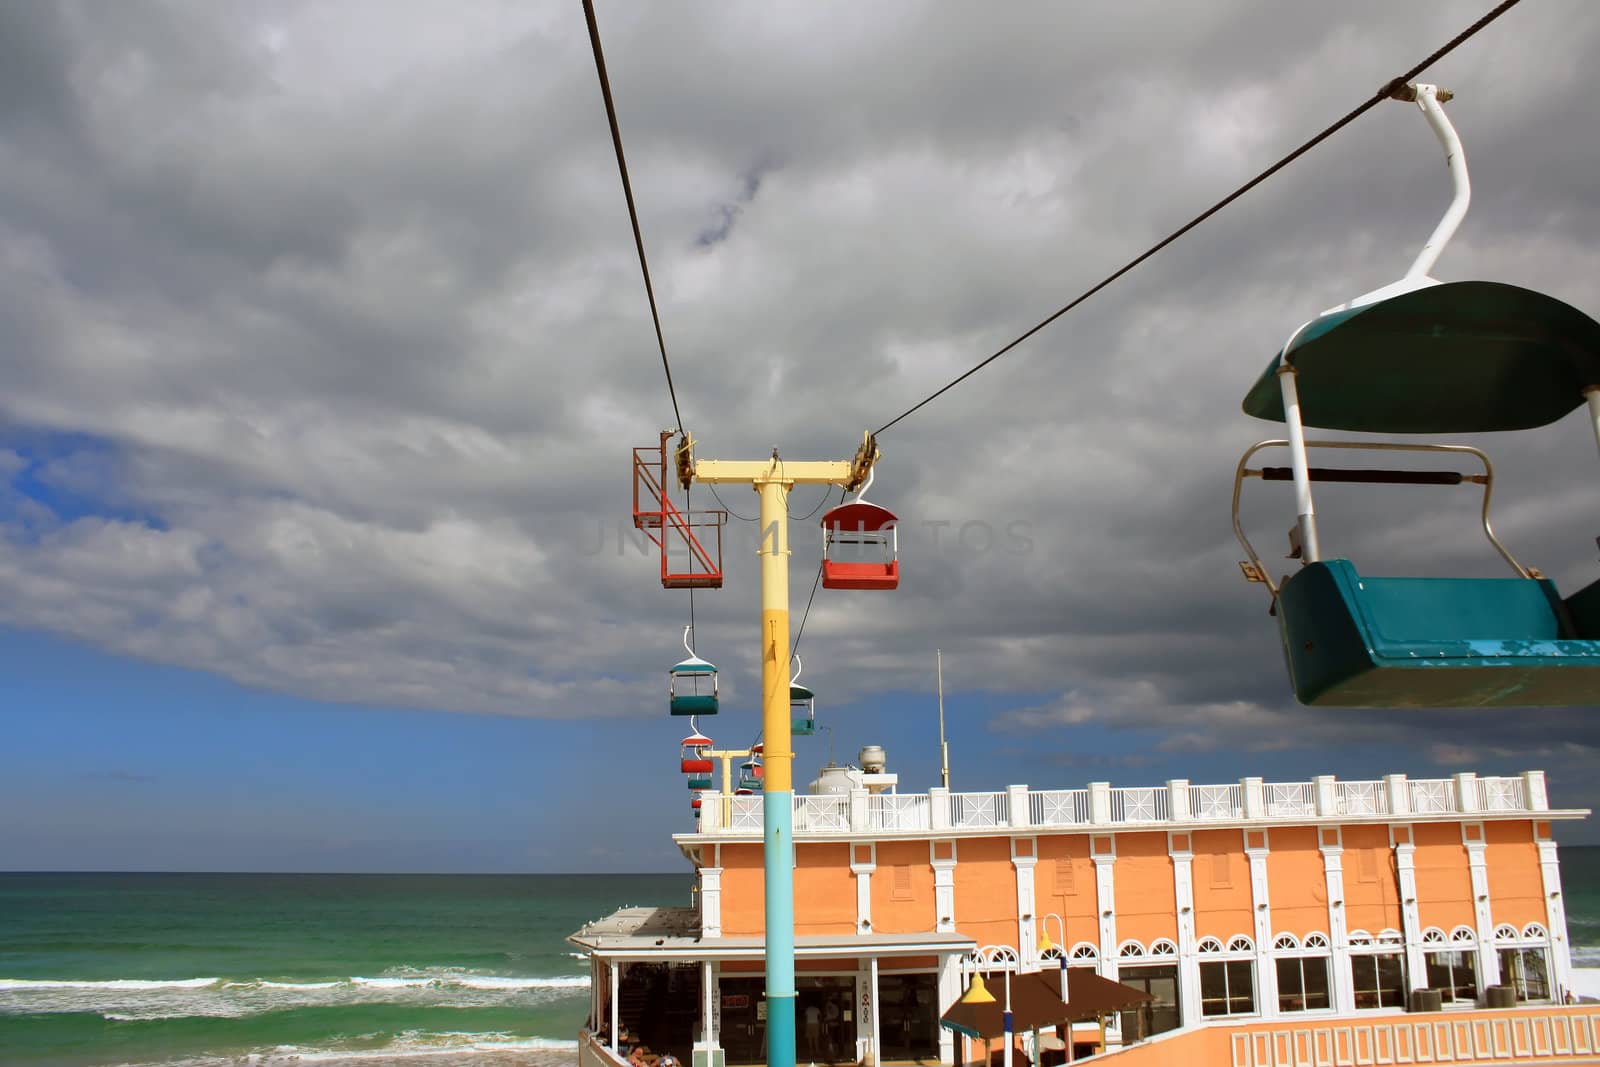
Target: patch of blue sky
{"x":52,"y":478}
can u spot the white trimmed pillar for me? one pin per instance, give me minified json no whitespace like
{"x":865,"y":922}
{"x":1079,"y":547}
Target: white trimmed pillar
{"x":1405,"y":867}
{"x":1255,"y":847}
{"x":1482,"y":913}
{"x":710,"y":901}
{"x":944,"y":885}
{"x":863,"y":862}
{"x":1103,"y":849}
{"x":1024,"y":855}
{"x":949,"y":991}
{"x":1180,"y":846}
{"x":1555,"y":911}
{"x":1343,"y":993}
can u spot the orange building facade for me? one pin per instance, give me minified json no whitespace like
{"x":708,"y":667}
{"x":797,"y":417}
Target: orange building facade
{"x":1249,"y":901}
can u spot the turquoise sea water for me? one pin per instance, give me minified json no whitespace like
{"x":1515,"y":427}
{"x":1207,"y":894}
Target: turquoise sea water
{"x":268,"y":969}
{"x":457,"y":970}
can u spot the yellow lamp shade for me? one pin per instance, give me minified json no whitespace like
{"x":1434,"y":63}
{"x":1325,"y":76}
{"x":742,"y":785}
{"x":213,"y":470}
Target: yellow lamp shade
{"x":977,"y":992}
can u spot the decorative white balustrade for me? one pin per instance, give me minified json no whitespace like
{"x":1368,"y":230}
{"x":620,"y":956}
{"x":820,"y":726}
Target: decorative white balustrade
{"x":1177,"y":803}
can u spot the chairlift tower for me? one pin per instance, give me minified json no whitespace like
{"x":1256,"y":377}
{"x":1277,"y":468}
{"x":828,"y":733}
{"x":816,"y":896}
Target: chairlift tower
{"x":771,"y":479}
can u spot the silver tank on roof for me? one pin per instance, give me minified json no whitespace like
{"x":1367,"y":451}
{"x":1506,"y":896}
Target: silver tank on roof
{"x":873,"y":759}
{"x":836,"y":781}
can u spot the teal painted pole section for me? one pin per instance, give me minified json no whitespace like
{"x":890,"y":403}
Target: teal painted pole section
{"x":777,"y":851}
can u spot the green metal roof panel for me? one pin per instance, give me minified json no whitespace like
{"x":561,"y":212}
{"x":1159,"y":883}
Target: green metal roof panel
{"x":1459,"y":357}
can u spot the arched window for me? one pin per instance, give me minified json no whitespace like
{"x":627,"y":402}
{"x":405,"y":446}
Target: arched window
{"x":1210,"y":944}
{"x":1534,"y":932}
{"x":1506,"y":932}
{"x":1240,"y":943}
{"x":1085,"y":950}
{"x":1463,"y":935}
{"x":1286,"y":942}
{"x":1163,"y":947}
{"x":1130,"y":950}
{"x":1316,"y":941}
{"x":1433,"y":936}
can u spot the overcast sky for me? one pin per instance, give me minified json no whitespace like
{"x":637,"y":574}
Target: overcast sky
{"x":323,"y":344}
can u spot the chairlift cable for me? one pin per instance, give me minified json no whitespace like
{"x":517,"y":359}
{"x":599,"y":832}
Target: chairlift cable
{"x":725,"y":507}
{"x":627,"y":191}
{"x":1384,"y":93}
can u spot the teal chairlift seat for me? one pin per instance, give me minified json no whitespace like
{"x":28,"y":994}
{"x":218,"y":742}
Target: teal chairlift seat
{"x":1423,"y":357}
{"x":802,"y":705}
{"x":692,"y":688}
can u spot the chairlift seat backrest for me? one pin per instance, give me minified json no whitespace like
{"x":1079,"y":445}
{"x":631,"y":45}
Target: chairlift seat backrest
{"x":870,"y":530}
{"x":1458,"y":357}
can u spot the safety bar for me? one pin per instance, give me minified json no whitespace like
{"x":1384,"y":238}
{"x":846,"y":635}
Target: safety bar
{"x":1367,"y":476}
{"x":1256,"y":570}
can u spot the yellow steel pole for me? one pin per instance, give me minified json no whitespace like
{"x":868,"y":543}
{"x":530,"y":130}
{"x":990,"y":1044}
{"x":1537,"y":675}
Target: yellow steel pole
{"x":777,"y":793}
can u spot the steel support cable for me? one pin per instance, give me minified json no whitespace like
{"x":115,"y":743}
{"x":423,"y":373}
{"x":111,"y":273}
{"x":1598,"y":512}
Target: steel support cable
{"x":1388,"y":90}
{"x":627,"y":191}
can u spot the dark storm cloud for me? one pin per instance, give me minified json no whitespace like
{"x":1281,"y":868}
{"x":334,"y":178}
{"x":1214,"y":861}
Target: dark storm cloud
{"x":351,"y":294}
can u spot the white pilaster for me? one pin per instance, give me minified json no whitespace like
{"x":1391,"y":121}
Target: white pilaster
{"x":1399,"y":792}
{"x":615,"y":977}
{"x":863,"y":873}
{"x":858,"y":810}
{"x":1555,"y":911}
{"x":1099,"y":803}
{"x":1534,"y":796}
{"x":939,"y":808}
{"x":1482,"y":913}
{"x":877,"y":1037}
{"x":1410,"y":918}
{"x":1342,"y":995}
{"x":1181,"y":848}
{"x":708,"y":1007}
{"x":710,"y":811}
{"x":1261,"y":911}
{"x":1178,"y":799}
{"x":1027,"y":919}
{"x":1255,"y":797}
{"x":710,"y":901}
{"x":949,"y":990}
{"x":944,"y":887}
{"x":1103,"y":848}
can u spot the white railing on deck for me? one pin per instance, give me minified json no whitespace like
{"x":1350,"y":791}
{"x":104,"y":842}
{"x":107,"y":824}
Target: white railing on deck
{"x":744,"y":813}
{"x":1362,"y":798}
{"x":1216,"y":801}
{"x":1290,"y":798}
{"x":1248,"y":801}
{"x":1059,"y":807}
{"x":898,"y":811}
{"x":1501,"y":794}
{"x":1432,"y":796}
{"x":1139,"y":805}
{"x":968,"y":810}
{"x":823,"y":812}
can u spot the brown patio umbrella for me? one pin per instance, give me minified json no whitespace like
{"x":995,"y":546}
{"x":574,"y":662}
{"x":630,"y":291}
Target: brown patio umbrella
{"x":1036,"y":1003}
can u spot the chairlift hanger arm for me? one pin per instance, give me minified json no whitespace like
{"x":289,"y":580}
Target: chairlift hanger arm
{"x":847,"y":473}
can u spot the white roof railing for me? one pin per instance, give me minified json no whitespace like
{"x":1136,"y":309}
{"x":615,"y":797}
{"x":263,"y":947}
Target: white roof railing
{"x":1250,"y":800}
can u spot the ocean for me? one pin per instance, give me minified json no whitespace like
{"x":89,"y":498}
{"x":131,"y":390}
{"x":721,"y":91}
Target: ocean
{"x":266,"y":970}
{"x":269,"y":969}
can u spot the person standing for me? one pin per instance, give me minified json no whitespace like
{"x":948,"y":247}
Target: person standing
{"x":813,"y":1028}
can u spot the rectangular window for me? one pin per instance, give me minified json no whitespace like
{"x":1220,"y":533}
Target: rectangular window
{"x":1454,"y":975}
{"x":901,"y":887}
{"x":1156,"y":1016}
{"x":1379,"y":980}
{"x":1221,"y":871}
{"x":1527,"y":971}
{"x":1366,"y":865}
{"x":1227,"y":987}
{"x":1303,"y":983}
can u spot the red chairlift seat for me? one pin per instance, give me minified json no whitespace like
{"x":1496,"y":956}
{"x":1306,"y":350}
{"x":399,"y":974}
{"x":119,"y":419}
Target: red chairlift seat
{"x":693,"y":759}
{"x":871,"y":532}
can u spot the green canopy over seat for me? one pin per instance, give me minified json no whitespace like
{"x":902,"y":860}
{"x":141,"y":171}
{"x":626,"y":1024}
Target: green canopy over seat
{"x":1458,"y":357}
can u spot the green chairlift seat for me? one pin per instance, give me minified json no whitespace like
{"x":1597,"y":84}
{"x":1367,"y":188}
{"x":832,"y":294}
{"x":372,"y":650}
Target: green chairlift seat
{"x":1460,"y":357}
{"x":693,"y":688}
{"x":802,"y":711}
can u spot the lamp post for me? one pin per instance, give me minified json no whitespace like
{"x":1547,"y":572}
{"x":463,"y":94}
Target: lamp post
{"x":1046,"y":946}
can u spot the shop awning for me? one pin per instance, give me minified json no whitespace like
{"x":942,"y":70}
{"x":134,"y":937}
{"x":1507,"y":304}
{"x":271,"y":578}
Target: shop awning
{"x":1036,"y":1003}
